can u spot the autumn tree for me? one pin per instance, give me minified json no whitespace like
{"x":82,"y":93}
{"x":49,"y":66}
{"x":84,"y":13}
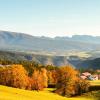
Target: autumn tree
{"x":67,"y":77}
{"x":5,"y":76}
{"x":19,"y":76}
{"x":52,"y":77}
{"x":44,"y":77}
{"x":15,"y":76}
{"x":39,"y":79}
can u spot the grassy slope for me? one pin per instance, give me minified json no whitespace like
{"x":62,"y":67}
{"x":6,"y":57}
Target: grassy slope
{"x":8,"y":93}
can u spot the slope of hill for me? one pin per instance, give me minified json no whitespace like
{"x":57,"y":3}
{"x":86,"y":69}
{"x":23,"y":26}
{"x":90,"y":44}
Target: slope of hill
{"x":94,"y":63}
{"x":42,"y":59}
{"x":8,"y":93}
{"x":78,"y":61}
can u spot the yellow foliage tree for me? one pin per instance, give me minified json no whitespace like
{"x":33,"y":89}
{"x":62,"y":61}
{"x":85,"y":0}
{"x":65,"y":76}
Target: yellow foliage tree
{"x":15,"y":76}
{"x":67,"y":77}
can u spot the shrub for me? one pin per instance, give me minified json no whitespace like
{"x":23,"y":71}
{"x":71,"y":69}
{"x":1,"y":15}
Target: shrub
{"x":82,"y":86}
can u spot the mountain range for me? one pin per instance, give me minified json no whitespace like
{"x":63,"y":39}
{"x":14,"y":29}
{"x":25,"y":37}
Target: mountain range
{"x":24,"y":42}
{"x":78,"y":50}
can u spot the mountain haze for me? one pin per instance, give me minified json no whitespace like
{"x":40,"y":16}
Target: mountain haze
{"x":24,"y":42}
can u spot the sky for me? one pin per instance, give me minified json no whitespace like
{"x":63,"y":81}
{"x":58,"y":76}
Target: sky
{"x":51,"y":17}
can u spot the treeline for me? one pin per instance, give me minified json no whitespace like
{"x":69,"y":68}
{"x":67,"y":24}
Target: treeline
{"x":66,"y":79}
{"x":28,"y":65}
{"x":16,"y":76}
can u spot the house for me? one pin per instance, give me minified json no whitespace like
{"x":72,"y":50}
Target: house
{"x":95,"y":77}
{"x":4,"y":65}
{"x":83,"y":77}
{"x":88,"y":76}
{"x":1,"y":65}
{"x":99,"y":76}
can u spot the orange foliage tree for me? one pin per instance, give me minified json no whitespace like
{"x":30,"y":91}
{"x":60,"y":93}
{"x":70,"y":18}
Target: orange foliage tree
{"x":52,"y":77}
{"x":15,"y":76}
{"x":67,"y":77}
{"x":39,"y":79}
{"x":44,"y":77}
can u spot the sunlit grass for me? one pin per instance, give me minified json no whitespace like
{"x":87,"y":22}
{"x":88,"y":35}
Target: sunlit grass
{"x":8,"y":93}
{"x":96,"y":82}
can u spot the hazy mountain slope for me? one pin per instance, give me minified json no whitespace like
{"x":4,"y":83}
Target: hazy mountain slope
{"x":82,"y":38}
{"x":75,"y":61}
{"x":18,"y":41}
{"x":42,"y":59}
{"x":94,"y":63}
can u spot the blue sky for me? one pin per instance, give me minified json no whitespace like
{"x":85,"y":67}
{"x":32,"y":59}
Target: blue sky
{"x":51,"y":17}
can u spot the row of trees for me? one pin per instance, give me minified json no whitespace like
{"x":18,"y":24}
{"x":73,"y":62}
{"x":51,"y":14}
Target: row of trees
{"x":16,"y":76}
{"x":66,"y":79}
{"x":30,"y":66}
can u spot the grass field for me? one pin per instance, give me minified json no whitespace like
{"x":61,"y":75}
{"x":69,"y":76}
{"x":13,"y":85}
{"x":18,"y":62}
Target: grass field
{"x":96,"y":83}
{"x":8,"y":93}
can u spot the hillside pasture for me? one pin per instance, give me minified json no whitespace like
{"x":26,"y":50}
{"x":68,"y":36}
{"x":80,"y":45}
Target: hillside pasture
{"x":8,"y":93}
